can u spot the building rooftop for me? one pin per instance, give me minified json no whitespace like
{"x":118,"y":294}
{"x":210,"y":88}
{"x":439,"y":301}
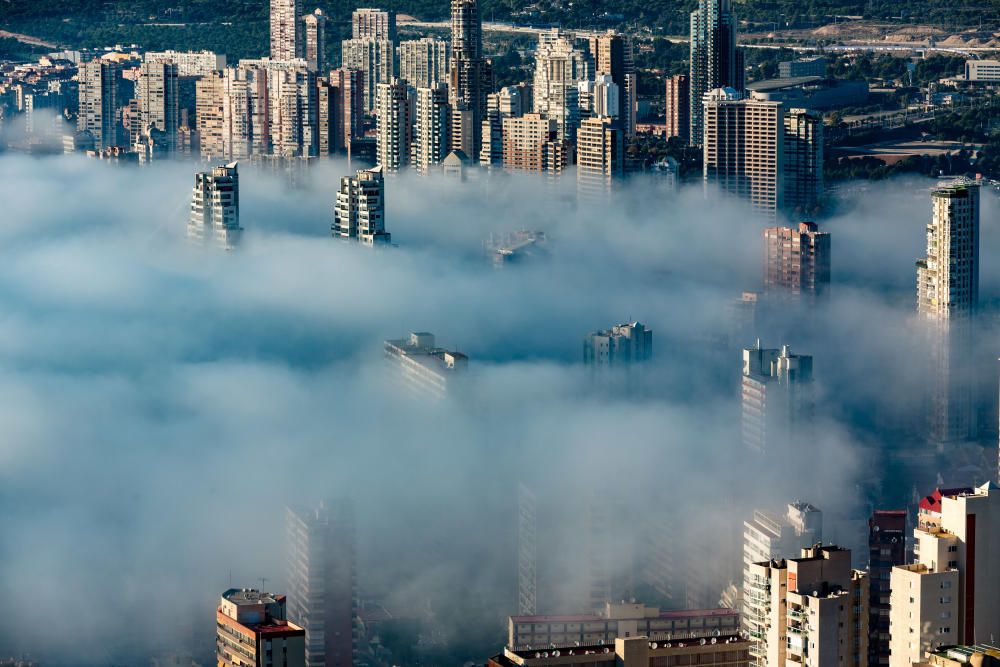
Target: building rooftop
{"x":932,"y":503}
{"x":240,"y":596}
{"x":583,"y":618}
{"x":768,"y":85}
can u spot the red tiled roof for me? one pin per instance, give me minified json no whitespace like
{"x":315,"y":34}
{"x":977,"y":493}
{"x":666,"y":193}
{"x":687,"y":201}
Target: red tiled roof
{"x":932,"y":503}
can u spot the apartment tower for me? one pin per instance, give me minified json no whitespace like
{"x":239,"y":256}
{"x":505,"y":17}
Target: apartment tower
{"x":430,"y":131}
{"x":359,"y":212}
{"x":600,"y":157}
{"x":423,"y":62}
{"x":315,"y":41}
{"x":99,"y":104}
{"x":158,"y":95}
{"x":715,"y":60}
{"x":286,"y":29}
{"x":471,"y":77}
{"x":797,"y":261}
{"x":678,"y":106}
{"x":215,"y":208}
{"x":394,"y":130}
{"x":374,"y":24}
{"x":252,"y":630}
{"x":777,"y":400}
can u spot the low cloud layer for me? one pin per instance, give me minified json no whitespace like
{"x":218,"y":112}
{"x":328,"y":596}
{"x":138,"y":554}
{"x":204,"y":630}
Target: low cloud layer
{"x":162,"y":403}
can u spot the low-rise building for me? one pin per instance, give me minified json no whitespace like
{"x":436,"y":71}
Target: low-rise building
{"x":425,"y":368}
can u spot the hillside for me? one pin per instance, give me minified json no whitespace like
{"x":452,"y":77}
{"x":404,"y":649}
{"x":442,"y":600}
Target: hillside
{"x":239,"y":27}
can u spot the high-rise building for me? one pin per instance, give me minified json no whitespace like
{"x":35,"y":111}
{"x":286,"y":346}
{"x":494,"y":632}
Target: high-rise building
{"x":600,"y":157}
{"x":211,"y":115}
{"x":744,"y":148}
{"x":351,"y":87}
{"x":803,"y":156}
{"x":394,"y":131}
{"x":430,"y":131}
{"x":612,"y":54}
{"x":886,"y":550}
{"x":322,"y":591}
{"x":621,"y":345}
{"x":314,"y":35}
{"x":777,"y":399}
{"x":514,"y":100}
{"x":294,"y":130}
{"x":797,"y":261}
{"x":530,"y":143}
{"x":527,"y":552}
{"x":99,"y":102}
{"x":951,"y":594}
{"x":329,"y":119}
{"x":252,"y":630}
{"x":559,"y":68}
{"x":678,"y":106}
{"x":600,"y":98}
{"x":426,"y":369}
{"x":815,"y":609}
{"x":157,"y":93}
{"x":470,"y":79}
{"x":947,"y":297}
{"x":375,"y":58}
{"x":286,"y":29}
{"x":491,"y":153}
{"x":423,"y":62}
{"x":215,"y":207}
{"x":714,"y":58}
{"x":359,"y":212}
{"x":766,"y":538}
{"x":375,"y":24}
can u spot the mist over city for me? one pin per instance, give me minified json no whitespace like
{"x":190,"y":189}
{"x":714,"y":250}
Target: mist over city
{"x":402,"y":336}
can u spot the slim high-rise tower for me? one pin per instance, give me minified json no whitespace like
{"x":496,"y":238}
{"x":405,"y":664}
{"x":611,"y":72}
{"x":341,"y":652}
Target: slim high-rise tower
{"x":99,"y":104}
{"x":359,"y":212}
{"x":424,"y":62}
{"x":157,"y":91}
{"x":777,"y":400}
{"x":394,"y":129}
{"x":471,"y":78}
{"x":612,"y":54}
{"x":430,"y":131}
{"x":373,"y":23}
{"x":315,"y":41}
{"x":215,"y":207}
{"x":803,"y":156}
{"x":600,"y":157}
{"x":714,"y":57}
{"x":559,"y":69}
{"x":678,"y":106}
{"x":948,"y":297}
{"x":886,"y":550}
{"x":375,"y":58}
{"x":286,"y":29}
{"x":322,"y":594}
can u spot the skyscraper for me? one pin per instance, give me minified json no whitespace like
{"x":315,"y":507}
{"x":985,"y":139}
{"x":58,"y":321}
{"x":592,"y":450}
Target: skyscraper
{"x":951,"y":594}
{"x":815,"y":609}
{"x":157,"y":92}
{"x":351,"y":84}
{"x":803,"y":156}
{"x":99,"y":103}
{"x":678,"y":106}
{"x":430,"y":132}
{"x":600,"y":157}
{"x":948,"y":297}
{"x":359,"y":212}
{"x":322,"y":595}
{"x":797,"y":261}
{"x":471,"y":78}
{"x":714,"y":61}
{"x":394,"y":131}
{"x":215,"y":207}
{"x":315,"y":41}
{"x":527,"y":552}
{"x":211,"y":116}
{"x":252,"y":629}
{"x":423,"y":62}
{"x":375,"y":24}
{"x":621,"y":345}
{"x":286,"y":29}
{"x":559,"y":68}
{"x":767,"y":537}
{"x":886,"y":550}
{"x":612,"y":54}
{"x":777,"y":399}
{"x":744,"y":148}
{"x":329,"y":119}
{"x":375,"y":58}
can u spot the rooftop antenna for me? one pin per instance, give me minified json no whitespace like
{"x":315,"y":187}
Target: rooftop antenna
{"x":263,"y":584}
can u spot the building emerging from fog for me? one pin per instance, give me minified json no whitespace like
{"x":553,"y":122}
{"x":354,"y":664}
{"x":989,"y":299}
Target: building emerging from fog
{"x":621,"y":345}
{"x":814,"y":610}
{"x":797,"y":261}
{"x":951,"y":594}
{"x":252,"y":629}
{"x":886,"y":550}
{"x":777,"y":399}
{"x":215,"y":208}
{"x":626,"y":635}
{"x":768,"y":537}
{"x":425,"y":368}
{"x":947,"y":297}
{"x":99,"y":102}
{"x":322,"y":582}
{"x":360,"y":209}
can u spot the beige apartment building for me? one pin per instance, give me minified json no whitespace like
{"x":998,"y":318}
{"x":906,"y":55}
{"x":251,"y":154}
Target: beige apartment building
{"x":728,"y":651}
{"x":797,"y":261}
{"x":423,"y":62}
{"x":951,"y":594}
{"x":286,"y":29}
{"x":530,"y":143}
{"x":252,"y":630}
{"x":600,"y":157}
{"x":394,"y":130}
{"x":744,"y":149}
{"x":813,"y":610}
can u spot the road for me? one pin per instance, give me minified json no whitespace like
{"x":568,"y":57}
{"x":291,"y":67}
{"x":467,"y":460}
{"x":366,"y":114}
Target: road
{"x":490,"y":27}
{"x":28,"y":39}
